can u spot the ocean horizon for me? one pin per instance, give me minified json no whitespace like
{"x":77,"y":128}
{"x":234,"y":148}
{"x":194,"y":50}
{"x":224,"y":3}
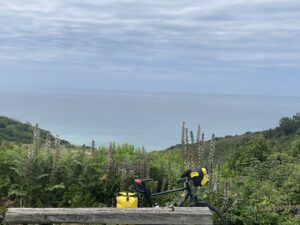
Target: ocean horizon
{"x":149,"y":119}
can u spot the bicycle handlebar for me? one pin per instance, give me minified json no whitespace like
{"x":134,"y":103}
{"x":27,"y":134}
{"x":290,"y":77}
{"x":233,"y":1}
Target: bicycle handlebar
{"x":186,"y":173}
{"x":180,"y":180}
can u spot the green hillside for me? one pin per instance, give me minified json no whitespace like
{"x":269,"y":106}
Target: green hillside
{"x":287,"y":130}
{"x":20,"y":133}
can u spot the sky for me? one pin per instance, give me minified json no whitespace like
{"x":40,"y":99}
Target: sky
{"x":244,"y":47}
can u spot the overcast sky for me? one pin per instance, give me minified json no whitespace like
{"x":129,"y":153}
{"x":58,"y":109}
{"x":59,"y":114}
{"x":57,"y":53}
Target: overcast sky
{"x":204,"y":46}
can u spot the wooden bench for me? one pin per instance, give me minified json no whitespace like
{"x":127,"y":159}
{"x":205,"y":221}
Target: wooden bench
{"x":175,"y":215}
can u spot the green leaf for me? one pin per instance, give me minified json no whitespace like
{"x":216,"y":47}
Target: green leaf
{"x":56,"y":187}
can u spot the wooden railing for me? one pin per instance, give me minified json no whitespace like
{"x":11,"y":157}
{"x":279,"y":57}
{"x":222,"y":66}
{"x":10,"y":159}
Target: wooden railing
{"x":175,"y":215}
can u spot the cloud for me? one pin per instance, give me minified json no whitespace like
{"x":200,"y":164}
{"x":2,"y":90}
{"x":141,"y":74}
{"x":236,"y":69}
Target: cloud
{"x":145,"y":39}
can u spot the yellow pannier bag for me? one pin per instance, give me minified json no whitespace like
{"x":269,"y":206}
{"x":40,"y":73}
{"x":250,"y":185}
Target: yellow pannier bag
{"x":127,"y":200}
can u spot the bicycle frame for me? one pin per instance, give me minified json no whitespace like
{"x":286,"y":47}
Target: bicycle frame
{"x":168,"y":192}
{"x":194,"y":200}
{"x":189,"y":194}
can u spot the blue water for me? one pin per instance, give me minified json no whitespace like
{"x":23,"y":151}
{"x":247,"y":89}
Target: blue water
{"x":152,"y":120}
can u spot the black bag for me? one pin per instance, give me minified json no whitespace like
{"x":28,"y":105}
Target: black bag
{"x":199,"y":177}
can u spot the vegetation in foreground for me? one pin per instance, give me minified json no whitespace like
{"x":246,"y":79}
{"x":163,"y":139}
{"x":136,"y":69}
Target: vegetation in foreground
{"x":255,"y":176}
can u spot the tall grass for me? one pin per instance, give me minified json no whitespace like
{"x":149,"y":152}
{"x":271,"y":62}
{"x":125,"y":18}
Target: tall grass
{"x":93,"y":148}
{"x":56,"y":158}
{"x":211,"y":162}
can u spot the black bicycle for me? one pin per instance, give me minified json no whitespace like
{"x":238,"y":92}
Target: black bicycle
{"x":145,"y":195}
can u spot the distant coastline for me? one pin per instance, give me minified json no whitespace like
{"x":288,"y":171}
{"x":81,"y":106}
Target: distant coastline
{"x":83,"y":91}
{"x":150,"y":119}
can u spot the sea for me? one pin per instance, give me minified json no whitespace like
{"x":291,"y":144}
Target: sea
{"x":149,"y":119}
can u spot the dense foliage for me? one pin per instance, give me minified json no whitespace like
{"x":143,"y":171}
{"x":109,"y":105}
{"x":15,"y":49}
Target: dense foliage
{"x":257,"y":181}
{"x":80,"y":179}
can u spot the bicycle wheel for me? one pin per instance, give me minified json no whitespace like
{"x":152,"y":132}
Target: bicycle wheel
{"x":212,"y":208}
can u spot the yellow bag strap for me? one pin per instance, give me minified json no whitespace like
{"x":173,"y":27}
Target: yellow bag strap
{"x":204,"y":170}
{"x":194,"y":174}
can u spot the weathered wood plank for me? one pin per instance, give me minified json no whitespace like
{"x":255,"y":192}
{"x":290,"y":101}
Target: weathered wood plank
{"x":180,"y":215}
